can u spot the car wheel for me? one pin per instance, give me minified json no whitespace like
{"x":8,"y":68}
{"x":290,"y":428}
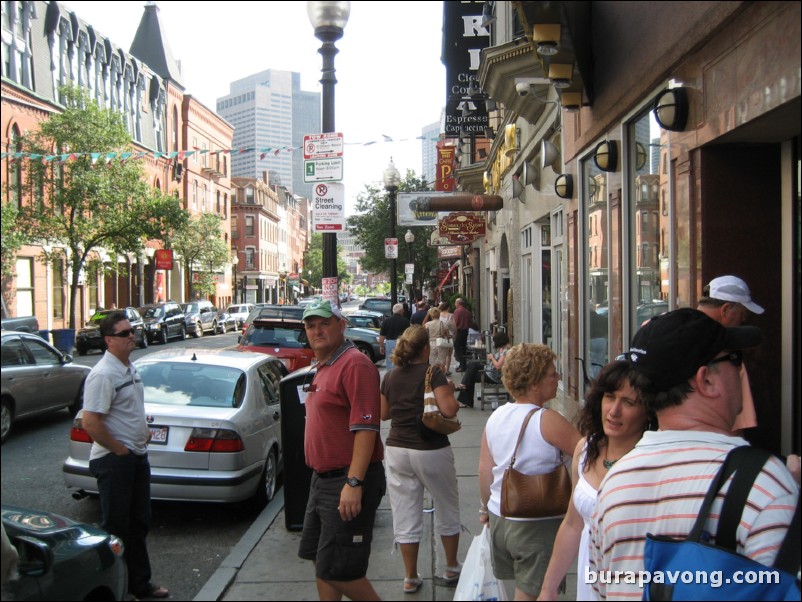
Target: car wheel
{"x":78,"y":403}
{"x":198,"y":330}
{"x":214,"y":327}
{"x":266,"y":488}
{"x":143,"y":344}
{"x":183,"y":334}
{"x":365,"y":350}
{"x":163,"y":337}
{"x":6,"y":418}
{"x":81,"y":350}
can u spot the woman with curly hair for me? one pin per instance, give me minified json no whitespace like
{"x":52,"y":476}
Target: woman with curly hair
{"x":417,"y":459}
{"x":612,"y":422}
{"x":521,"y":547}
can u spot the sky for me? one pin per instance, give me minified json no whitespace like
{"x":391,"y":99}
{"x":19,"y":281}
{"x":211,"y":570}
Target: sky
{"x":390,"y":79}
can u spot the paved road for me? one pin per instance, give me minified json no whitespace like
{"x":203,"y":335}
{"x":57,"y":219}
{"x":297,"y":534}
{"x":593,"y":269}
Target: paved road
{"x":187,"y":541}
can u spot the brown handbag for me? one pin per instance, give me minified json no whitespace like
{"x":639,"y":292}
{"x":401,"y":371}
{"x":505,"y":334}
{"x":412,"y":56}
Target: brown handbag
{"x":534,"y":496}
{"x":431,"y":417}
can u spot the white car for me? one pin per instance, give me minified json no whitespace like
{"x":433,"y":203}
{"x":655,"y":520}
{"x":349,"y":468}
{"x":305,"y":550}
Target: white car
{"x":240,"y":312}
{"x":215,"y":423}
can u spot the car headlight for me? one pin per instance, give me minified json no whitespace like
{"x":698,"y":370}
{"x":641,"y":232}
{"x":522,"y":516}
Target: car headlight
{"x":154,"y":326}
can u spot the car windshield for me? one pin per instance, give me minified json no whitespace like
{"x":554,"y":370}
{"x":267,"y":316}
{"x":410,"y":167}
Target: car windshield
{"x":154,"y":312}
{"x":191,"y":308}
{"x":276,"y":336}
{"x":204,"y":385}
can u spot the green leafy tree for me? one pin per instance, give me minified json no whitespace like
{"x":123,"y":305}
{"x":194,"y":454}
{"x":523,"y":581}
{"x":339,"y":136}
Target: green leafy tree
{"x":372,"y":225}
{"x":82,"y":205}
{"x":313,"y":260}
{"x":203,"y":252}
{"x":11,"y":237}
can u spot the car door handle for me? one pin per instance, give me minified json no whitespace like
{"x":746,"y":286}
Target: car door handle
{"x":276,"y":415}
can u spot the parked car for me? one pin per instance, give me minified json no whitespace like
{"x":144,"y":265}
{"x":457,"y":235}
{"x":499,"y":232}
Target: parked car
{"x":89,"y":336}
{"x":164,"y":321}
{"x":281,"y":338}
{"x":226,"y":322}
{"x":366,"y":340}
{"x":215,"y":424}
{"x":275,"y":312}
{"x":308,"y":301}
{"x":647,"y":311}
{"x":36,"y":379}
{"x":20,"y":324}
{"x":240,"y":312}
{"x":61,"y":559}
{"x":379,"y":304}
{"x":366,"y":319}
{"x":200,"y":317}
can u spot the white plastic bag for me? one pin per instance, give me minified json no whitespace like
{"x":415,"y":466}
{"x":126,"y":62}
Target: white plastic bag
{"x":477,"y":582}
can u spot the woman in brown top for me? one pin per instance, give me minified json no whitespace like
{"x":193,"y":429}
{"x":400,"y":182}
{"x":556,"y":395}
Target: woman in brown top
{"x":416,"y":459}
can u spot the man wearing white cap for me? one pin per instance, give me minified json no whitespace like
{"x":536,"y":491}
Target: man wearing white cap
{"x":728,"y":301}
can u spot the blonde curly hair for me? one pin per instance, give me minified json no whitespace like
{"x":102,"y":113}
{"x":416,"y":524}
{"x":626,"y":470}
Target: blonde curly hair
{"x":524,"y":365}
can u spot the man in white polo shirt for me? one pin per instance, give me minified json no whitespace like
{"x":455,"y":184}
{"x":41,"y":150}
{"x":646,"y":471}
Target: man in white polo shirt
{"x":114,"y":416}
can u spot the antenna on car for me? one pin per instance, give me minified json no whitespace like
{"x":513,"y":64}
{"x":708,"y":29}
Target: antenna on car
{"x":194,"y":358}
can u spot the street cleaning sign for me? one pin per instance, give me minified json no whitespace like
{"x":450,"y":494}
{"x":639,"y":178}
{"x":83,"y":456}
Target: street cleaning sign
{"x":328,"y":207}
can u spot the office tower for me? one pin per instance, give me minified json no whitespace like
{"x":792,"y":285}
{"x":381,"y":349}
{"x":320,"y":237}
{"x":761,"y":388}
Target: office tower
{"x":271,"y":114}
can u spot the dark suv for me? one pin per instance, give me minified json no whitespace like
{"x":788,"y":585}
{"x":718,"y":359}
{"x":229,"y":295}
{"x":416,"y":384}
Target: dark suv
{"x":201,"y":317}
{"x":163,"y":321}
{"x":89,"y":337}
{"x":384,"y":306}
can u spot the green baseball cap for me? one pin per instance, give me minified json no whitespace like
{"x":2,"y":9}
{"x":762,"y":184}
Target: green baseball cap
{"x":322,"y":309}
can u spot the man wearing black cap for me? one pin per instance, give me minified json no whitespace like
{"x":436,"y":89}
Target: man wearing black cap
{"x":687,"y":373}
{"x":343,"y":448}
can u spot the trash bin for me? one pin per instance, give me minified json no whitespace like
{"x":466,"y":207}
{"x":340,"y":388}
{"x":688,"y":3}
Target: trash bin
{"x":64,"y":339}
{"x":45,"y":334}
{"x":297,"y":475}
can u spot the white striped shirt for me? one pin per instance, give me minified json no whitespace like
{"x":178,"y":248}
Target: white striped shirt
{"x":658,"y":488}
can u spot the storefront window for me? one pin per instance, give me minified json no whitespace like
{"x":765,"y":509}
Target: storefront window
{"x":597,"y":272}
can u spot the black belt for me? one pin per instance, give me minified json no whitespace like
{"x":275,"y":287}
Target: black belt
{"x":343,"y":472}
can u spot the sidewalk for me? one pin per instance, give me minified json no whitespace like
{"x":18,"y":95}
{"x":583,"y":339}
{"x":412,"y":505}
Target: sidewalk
{"x":264,"y":565}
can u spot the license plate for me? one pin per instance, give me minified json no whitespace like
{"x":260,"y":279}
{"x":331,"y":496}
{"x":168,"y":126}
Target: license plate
{"x":158,"y":434}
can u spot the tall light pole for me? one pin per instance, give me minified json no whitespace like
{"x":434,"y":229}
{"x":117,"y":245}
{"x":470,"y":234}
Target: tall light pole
{"x":329,"y":20}
{"x":409,"y":237}
{"x":234,"y":263}
{"x":392,"y":178}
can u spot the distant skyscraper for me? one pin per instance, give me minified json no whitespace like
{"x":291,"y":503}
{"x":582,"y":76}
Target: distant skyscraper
{"x":430,"y":134}
{"x":270,"y":111}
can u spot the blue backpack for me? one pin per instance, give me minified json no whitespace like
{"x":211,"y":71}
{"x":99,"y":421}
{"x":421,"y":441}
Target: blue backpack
{"x":694,"y":569}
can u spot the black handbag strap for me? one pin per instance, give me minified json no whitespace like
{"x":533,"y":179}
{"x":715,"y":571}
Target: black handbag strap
{"x":789,"y":558}
{"x":521,"y":434}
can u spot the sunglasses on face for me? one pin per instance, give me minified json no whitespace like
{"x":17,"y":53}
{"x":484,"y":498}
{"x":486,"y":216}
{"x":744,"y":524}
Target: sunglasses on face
{"x":736,"y":358}
{"x":122,"y":334}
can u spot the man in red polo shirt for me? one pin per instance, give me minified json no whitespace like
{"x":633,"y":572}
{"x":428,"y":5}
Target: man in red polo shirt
{"x":343,"y":448}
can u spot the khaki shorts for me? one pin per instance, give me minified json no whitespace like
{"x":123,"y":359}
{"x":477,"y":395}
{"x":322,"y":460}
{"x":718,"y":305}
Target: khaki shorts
{"x":521,"y":550}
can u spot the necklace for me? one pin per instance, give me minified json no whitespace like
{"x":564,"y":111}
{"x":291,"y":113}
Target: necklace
{"x":608,"y":464}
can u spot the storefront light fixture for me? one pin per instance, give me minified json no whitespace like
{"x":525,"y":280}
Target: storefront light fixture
{"x":606,"y":155}
{"x":560,"y":74}
{"x":564,"y":186}
{"x":571,"y":101}
{"x":640,"y":156}
{"x":547,"y":38}
{"x":671,"y":109}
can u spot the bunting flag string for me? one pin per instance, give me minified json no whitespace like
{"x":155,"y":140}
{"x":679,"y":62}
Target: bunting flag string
{"x":107,"y":157}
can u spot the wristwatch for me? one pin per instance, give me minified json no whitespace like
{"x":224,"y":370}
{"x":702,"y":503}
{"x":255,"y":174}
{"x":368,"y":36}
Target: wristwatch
{"x":354,"y":482}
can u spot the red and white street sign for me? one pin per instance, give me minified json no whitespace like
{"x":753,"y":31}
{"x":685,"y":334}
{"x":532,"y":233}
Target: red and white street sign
{"x":323,"y":146}
{"x":391,"y":248}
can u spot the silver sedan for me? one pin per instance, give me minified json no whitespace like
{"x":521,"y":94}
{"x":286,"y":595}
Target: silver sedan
{"x":36,"y":379}
{"x":215,"y":424}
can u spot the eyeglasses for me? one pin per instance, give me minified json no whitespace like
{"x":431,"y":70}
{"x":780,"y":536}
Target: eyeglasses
{"x":122,"y":334}
{"x":736,"y":358}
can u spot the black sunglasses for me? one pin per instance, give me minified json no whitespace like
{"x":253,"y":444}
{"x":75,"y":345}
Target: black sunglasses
{"x":734,"y":357}
{"x":122,"y":334}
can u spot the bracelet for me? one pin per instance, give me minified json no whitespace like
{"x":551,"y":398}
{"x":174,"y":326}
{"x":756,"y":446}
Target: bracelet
{"x":483,"y":513}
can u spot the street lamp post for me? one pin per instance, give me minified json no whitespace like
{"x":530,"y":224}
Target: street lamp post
{"x":409,"y":237}
{"x":234,"y":263}
{"x":329,"y":20}
{"x":392,"y":178}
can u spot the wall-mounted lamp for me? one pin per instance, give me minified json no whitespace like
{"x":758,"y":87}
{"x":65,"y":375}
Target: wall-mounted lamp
{"x":548,"y":154}
{"x":640,"y":156}
{"x":571,"y":101}
{"x":530,"y":174}
{"x":467,"y":270}
{"x":511,"y":139}
{"x":486,"y":178}
{"x":547,"y":38}
{"x":490,"y":133}
{"x":606,"y":155}
{"x":517,"y":188}
{"x":564,"y":186}
{"x":490,"y":105}
{"x":671,"y":109}
{"x":560,"y":74}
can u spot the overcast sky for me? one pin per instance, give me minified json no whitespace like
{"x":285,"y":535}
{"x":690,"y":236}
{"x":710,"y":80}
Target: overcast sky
{"x":390,"y":78}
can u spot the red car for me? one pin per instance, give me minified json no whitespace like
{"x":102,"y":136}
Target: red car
{"x":283,"y":339}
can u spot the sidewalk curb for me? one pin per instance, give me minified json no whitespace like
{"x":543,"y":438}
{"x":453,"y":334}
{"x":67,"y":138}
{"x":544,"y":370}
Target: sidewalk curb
{"x":225,"y":574}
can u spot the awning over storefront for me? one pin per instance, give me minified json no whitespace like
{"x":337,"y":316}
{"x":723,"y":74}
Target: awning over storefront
{"x":448,"y":274}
